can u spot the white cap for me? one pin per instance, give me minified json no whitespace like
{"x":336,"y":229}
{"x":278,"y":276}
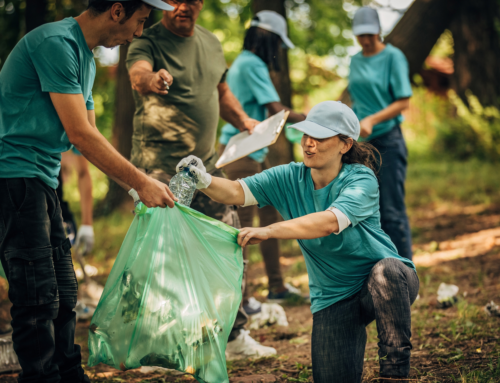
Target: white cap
{"x":366,"y":22}
{"x":273,"y":22}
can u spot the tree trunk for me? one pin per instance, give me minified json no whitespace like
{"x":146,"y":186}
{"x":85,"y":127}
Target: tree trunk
{"x":35,"y":14}
{"x":477,"y":50}
{"x":282,"y":151}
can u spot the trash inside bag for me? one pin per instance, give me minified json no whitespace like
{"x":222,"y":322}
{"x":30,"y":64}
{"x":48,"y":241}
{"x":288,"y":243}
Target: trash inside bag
{"x":172,"y":296}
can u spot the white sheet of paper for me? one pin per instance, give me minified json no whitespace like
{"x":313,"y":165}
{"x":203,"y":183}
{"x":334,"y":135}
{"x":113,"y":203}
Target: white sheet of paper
{"x":243,"y":144}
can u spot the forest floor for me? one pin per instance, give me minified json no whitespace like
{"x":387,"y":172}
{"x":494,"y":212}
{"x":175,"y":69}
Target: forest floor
{"x":454,"y":243}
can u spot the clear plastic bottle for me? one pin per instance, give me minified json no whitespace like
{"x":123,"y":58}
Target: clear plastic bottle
{"x":183,"y":186}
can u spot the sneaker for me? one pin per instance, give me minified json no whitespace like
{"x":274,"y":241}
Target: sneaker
{"x":291,"y":293}
{"x":253,"y":306}
{"x":244,"y":346}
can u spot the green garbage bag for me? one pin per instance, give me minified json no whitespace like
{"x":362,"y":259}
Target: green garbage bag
{"x":2,"y":273}
{"x":172,"y":296}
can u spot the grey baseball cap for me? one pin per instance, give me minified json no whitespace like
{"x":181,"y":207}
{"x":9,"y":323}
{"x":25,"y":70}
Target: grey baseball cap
{"x":366,"y":22}
{"x":273,"y":22}
{"x":328,"y":119}
{"x":156,"y":4}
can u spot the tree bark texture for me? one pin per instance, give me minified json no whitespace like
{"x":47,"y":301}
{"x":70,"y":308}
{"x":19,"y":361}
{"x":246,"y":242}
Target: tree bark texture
{"x":282,"y":151}
{"x":477,"y":50}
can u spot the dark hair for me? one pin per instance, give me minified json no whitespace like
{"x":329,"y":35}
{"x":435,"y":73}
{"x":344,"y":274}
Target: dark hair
{"x":264,"y":44}
{"x":98,"y":7}
{"x":362,"y":153}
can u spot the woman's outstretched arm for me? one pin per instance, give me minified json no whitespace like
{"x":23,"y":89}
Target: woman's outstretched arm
{"x":310,"y":226}
{"x":225,"y":191}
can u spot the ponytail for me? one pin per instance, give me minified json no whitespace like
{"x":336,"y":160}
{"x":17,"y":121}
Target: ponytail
{"x":362,"y":153}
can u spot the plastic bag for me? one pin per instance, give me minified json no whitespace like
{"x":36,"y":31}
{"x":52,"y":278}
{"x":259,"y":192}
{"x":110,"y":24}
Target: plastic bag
{"x":2,"y":273}
{"x":172,"y":296}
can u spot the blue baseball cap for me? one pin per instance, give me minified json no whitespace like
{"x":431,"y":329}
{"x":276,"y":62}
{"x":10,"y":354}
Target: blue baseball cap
{"x":156,"y":4}
{"x":366,"y":22}
{"x":328,"y":119}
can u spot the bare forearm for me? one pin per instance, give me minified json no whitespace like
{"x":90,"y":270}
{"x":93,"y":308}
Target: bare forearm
{"x":225,"y":191}
{"x":141,"y":80}
{"x":391,"y":111}
{"x":310,"y":226}
{"x":231,"y":109}
{"x":106,"y":158}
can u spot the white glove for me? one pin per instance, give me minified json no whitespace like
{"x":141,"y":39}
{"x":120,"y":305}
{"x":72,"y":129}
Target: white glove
{"x":197,"y":169}
{"x":85,"y":239}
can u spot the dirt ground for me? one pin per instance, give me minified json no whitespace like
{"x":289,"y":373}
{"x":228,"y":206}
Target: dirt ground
{"x":458,"y":344}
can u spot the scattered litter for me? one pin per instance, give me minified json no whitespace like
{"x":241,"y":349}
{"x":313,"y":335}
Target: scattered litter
{"x":447,"y":295}
{"x":492,"y":309}
{"x":271,"y":313}
{"x":83,"y":312}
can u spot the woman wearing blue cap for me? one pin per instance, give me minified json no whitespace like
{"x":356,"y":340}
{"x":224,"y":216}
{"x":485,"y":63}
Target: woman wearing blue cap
{"x":379,"y":86}
{"x":330,"y":204}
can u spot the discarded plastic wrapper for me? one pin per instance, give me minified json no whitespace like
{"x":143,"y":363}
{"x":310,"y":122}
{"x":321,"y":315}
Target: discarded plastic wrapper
{"x":172,"y":296}
{"x":492,"y":309}
{"x":447,"y":295}
{"x":271,"y":313}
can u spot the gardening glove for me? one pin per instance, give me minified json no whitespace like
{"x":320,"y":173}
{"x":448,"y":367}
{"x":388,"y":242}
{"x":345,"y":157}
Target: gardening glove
{"x":197,"y":169}
{"x":85,"y":239}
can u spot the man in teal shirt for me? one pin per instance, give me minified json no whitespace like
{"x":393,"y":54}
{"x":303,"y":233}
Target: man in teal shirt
{"x":46,"y":107}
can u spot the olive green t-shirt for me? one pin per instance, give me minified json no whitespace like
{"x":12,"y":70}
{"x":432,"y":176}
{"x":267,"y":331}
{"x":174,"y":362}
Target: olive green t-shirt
{"x":183,"y":122}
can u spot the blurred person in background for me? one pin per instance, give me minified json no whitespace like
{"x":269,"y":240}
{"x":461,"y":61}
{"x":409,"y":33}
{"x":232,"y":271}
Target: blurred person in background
{"x":46,"y":107}
{"x":250,"y":81}
{"x":83,"y":238}
{"x":379,"y":86}
{"x":178,"y":73}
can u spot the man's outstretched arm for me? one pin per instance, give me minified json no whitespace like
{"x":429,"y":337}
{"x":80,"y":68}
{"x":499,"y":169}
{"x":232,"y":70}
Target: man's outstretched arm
{"x":72,"y":112}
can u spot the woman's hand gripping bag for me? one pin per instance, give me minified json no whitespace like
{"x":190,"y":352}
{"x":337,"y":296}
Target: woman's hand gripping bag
{"x":172,"y":296}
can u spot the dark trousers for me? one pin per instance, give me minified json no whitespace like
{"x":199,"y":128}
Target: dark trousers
{"x":392,"y":178}
{"x":339,"y":334}
{"x":36,"y":257}
{"x":224,"y":213}
{"x":268,"y":215}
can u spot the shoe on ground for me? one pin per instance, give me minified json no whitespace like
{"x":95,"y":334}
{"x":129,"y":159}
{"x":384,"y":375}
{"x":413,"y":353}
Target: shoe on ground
{"x":253,"y":306}
{"x":291,"y":294}
{"x":244,"y":346}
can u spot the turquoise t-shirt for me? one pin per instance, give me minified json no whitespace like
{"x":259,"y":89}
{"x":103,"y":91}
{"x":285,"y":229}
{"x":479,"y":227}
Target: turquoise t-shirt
{"x":52,"y":58}
{"x":249,"y":80}
{"x":377,"y":81}
{"x":337,"y":265}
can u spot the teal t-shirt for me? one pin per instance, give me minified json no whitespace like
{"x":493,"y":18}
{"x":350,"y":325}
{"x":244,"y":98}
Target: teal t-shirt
{"x":52,"y":58}
{"x":249,"y":80}
{"x":337,"y":265}
{"x":377,"y":81}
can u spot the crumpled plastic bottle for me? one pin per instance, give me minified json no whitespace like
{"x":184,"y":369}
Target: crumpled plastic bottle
{"x":183,"y":186}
